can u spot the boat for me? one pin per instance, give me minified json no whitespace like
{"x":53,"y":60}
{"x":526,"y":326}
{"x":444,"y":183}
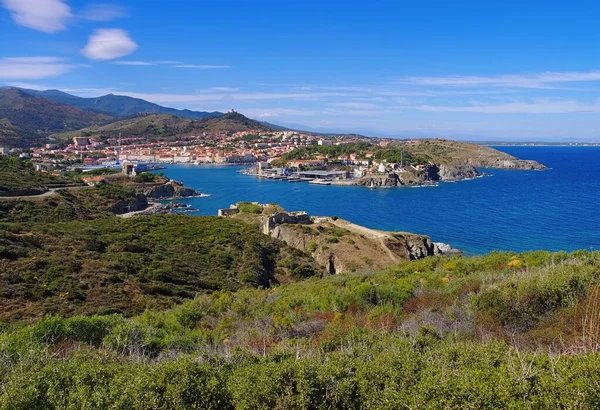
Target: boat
{"x":319,"y":182}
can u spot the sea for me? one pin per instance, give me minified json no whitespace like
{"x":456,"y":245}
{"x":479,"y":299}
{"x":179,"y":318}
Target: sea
{"x":557,"y":209}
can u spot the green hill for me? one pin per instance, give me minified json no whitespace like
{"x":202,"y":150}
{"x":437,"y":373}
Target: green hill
{"x":26,"y":120}
{"x":127,"y":265}
{"x":163,"y":127}
{"x":16,"y":174}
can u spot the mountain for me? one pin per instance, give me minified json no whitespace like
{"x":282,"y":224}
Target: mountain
{"x":117,"y":105}
{"x":163,"y":127}
{"x":27,"y":120}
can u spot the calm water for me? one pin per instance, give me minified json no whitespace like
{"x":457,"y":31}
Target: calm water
{"x":511,"y":210}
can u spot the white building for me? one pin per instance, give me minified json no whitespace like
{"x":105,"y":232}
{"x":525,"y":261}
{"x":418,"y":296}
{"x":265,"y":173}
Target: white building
{"x":325,"y":143}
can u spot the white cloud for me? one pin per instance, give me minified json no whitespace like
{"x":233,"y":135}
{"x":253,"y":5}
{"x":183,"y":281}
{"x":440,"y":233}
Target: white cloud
{"x":201,"y":66}
{"x":108,"y":44}
{"x":538,"y":107}
{"x":102,"y":12}
{"x":48,"y":16}
{"x":538,"y":80}
{"x":135,"y":63}
{"x":33,"y":68}
{"x":354,"y":105}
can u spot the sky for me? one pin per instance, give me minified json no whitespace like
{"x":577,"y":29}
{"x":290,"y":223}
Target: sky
{"x":511,"y":70}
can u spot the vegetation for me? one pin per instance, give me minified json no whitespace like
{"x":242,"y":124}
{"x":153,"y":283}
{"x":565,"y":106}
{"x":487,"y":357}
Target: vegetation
{"x":16,"y":174}
{"x":389,"y":154}
{"x":164,"y":127}
{"x":146,"y":177}
{"x":434,"y":333}
{"x":68,"y":204}
{"x":249,"y":208}
{"x":126,"y":265}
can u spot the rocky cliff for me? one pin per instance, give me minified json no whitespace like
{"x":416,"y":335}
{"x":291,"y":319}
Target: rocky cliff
{"x":457,"y":172}
{"x":341,"y":246}
{"x":510,"y":163}
{"x":138,"y":204}
{"x":170,"y":189}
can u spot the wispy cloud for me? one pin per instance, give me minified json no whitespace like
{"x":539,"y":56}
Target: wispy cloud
{"x":108,"y":44}
{"x":102,"y":12}
{"x":539,"y":107}
{"x":169,"y":62}
{"x":49,"y":16}
{"x":33,"y":68}
{"x":354,"y":105}
{"x":539,"y":80}
{"x":172,"y":63}
{"x":202,"y":66}
{"x":134,"y":63}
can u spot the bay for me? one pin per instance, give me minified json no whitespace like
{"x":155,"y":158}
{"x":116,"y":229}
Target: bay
{"x":518,"y":211}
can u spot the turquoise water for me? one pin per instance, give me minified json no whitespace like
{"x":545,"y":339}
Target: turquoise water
{"x":510,"y":210}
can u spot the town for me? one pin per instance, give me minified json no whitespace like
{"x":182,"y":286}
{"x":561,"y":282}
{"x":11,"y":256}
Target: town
{"x":262,"y":151}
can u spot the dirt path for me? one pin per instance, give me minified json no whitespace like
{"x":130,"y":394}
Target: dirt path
{"x":49,"y":192}
{"x":361,"y":230}
{"x":371,"y":233}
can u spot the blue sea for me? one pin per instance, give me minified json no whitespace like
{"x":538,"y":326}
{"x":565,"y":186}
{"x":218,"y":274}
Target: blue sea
{"x":510,"y":210}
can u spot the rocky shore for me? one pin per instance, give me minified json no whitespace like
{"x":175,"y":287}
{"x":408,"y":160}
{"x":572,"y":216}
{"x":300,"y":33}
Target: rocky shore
{"x":168,"y":190}
{"x":429,"y":174}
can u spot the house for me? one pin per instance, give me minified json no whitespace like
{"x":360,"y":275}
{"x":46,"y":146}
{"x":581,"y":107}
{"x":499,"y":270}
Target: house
{"x":80,"y":142}
{"x":94,"y":180}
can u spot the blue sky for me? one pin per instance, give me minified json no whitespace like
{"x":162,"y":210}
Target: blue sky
{"x":503,"y":70}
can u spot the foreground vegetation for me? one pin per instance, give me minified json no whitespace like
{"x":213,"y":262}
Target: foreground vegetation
{"x":71,"y":204}
{"x":497,"y":331}
{"x":16,"y":174}
{"x":125,"y":265}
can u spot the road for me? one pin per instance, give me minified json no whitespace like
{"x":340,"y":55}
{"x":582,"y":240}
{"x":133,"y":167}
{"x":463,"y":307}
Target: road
{"x":49,"y":192}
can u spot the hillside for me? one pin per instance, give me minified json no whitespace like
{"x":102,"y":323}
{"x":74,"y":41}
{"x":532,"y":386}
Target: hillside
{"x":490,"y":332}
{"x":70,"y":204}
{"x":117,"y":105}
{"x":162,"y":127}
{"x":126,"y":265}
{"x":16,"y":175}
{"x":443,"y":151}
{"x":27,"y":120}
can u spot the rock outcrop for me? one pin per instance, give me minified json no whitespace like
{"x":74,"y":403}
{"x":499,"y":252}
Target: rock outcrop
{"x":457,"y":172}
{"x":339,"y":245}
{"x":138,"y":204}
{"x":512,"y":163}
{"x":170,"y":189}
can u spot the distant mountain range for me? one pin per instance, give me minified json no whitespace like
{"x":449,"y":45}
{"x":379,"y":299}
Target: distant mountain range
{"x":32,"y":118}
{"x":164,"y":127}
{"x":117,"y":105}
{"x":27,"y":120}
